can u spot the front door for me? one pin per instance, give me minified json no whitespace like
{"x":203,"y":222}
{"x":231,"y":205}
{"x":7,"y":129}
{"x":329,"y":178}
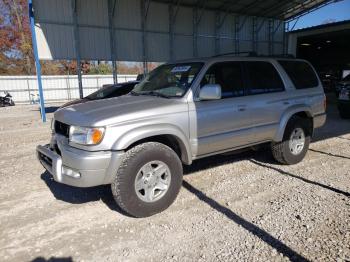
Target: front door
{"x":224,"y":123}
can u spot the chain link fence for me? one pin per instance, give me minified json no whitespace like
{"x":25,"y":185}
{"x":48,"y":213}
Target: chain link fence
{"x":24,"y":89}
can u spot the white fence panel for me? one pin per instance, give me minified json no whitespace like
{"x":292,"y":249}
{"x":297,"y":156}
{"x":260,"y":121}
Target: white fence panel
{"x":24,"y":89}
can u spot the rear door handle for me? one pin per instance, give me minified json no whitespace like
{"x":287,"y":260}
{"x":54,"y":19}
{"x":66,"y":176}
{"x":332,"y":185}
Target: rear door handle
{"x":286,"y":103}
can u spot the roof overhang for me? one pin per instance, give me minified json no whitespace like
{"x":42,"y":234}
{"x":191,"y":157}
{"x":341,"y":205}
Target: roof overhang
{"x":161,"y":30}
{"x":281,"y":10}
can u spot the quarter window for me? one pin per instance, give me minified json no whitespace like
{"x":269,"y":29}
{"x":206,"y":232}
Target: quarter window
{"x":301,"y":73}
{"x":228,"y":75}
{"x":263,"y":78}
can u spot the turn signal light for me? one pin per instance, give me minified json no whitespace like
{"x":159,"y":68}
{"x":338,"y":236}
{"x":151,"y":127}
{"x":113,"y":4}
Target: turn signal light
{"x":96,"y":136}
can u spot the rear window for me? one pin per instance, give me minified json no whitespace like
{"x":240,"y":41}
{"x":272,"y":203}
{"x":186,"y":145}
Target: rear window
{"x":301,"y":74}
{"x":263,"y":78}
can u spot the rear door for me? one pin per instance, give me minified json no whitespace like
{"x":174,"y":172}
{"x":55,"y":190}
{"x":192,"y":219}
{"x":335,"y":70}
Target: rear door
{"x":267,"y":98}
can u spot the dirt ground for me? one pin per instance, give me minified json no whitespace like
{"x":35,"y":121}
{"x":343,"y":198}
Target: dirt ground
{"x":241,"y":207}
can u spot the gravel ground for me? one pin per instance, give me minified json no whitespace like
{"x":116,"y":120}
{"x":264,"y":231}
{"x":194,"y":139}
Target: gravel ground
{"x":231,"y":207}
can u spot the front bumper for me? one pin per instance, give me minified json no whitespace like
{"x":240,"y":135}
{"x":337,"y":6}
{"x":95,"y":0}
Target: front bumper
{"x":93,"y":168}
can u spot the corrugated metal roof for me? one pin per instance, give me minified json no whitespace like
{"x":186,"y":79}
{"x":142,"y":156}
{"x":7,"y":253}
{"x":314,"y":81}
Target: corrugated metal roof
{"x":55,"y":23}
{"x":282,"y":9}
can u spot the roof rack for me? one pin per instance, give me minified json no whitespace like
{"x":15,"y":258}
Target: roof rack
{"x":248,"y":53}
{"x":252,"y":53}
{"x":279,"y":56}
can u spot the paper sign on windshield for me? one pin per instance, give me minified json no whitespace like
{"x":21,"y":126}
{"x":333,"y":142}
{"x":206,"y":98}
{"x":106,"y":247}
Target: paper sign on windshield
{"x":180,"y":69}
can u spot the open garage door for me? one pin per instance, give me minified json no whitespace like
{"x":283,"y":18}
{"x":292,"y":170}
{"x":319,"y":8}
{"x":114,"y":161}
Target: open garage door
{"x":326,"y":47}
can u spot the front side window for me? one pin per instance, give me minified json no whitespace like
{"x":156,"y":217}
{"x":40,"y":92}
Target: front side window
{"x":301,"y":73}
{"x":228,"y":75}
{"x":263,"y":78}
{"x":170,"y":80}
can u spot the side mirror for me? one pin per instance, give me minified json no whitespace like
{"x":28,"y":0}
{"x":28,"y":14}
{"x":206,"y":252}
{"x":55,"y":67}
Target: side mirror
{"x":210,"y":92}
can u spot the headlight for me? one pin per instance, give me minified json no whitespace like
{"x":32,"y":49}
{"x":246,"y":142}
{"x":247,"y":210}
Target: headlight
{"x":86,"y":135}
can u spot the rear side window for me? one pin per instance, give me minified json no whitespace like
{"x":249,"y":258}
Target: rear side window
{"x":301,"y":74}
{"x":228,"y":75}
{"x":263,"y":78}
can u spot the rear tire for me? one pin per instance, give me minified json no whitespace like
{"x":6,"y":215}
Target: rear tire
{"x":295,"y":143}
{"x":157,"y":169}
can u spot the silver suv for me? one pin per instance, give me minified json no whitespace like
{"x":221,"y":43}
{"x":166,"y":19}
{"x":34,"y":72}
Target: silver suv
{"x":179,"y":113}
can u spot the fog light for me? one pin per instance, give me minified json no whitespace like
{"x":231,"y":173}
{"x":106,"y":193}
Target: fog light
{"x":69,"y":172}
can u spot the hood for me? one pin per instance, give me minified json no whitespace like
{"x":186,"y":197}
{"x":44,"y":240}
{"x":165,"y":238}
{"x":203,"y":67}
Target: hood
{"x":74,"y":102}
{"x":117,"y":110}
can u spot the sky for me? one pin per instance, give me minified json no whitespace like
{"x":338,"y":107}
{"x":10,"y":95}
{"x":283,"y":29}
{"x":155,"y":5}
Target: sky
{"x":338,"y":11}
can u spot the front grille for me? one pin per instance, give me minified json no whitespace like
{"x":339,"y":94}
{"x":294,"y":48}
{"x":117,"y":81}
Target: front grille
{"x":61,"y":128}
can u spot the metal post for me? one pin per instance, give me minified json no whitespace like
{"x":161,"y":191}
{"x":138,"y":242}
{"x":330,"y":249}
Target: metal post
{"x":285,"y":37}
{"x":195,"y":32}
{"x":217,"y":32}
{"x":172,"y":20}
{"x":258,"y":29}
{"x":171,"y":31}
{"x":30,"y":100}
{"x":255,"y":35}
{"x":270,"y":33}
{"x":237,"y":34}
{"x":77,"y":47}
{"x":144,"y":12}
{"x":111,"y":11}
{"x":37,"y":62}
{"x":69,"y":95}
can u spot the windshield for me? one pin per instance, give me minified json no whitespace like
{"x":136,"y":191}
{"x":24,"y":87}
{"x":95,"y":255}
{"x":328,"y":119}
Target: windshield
{"x":170,"y":80}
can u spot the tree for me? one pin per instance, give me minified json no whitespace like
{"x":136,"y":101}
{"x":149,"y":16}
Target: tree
{"x":101,"y":69}
{"x":16,"y":54}
{"x":16,"y":48}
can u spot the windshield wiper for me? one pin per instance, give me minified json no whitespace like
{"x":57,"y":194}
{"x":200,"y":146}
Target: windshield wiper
{"x":134,"y":93}
{"x":154,"y":93}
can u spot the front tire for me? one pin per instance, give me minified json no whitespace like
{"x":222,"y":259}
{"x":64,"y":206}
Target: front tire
{"x":148,"y":180}
{"x":295,"y":144}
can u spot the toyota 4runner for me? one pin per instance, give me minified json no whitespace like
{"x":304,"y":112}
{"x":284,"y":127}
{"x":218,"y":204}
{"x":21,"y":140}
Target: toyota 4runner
{"x":180,"y":112}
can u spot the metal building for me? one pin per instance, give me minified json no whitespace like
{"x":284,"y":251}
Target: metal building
{"x":325,"y":46}
{"x":158,"y":30}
